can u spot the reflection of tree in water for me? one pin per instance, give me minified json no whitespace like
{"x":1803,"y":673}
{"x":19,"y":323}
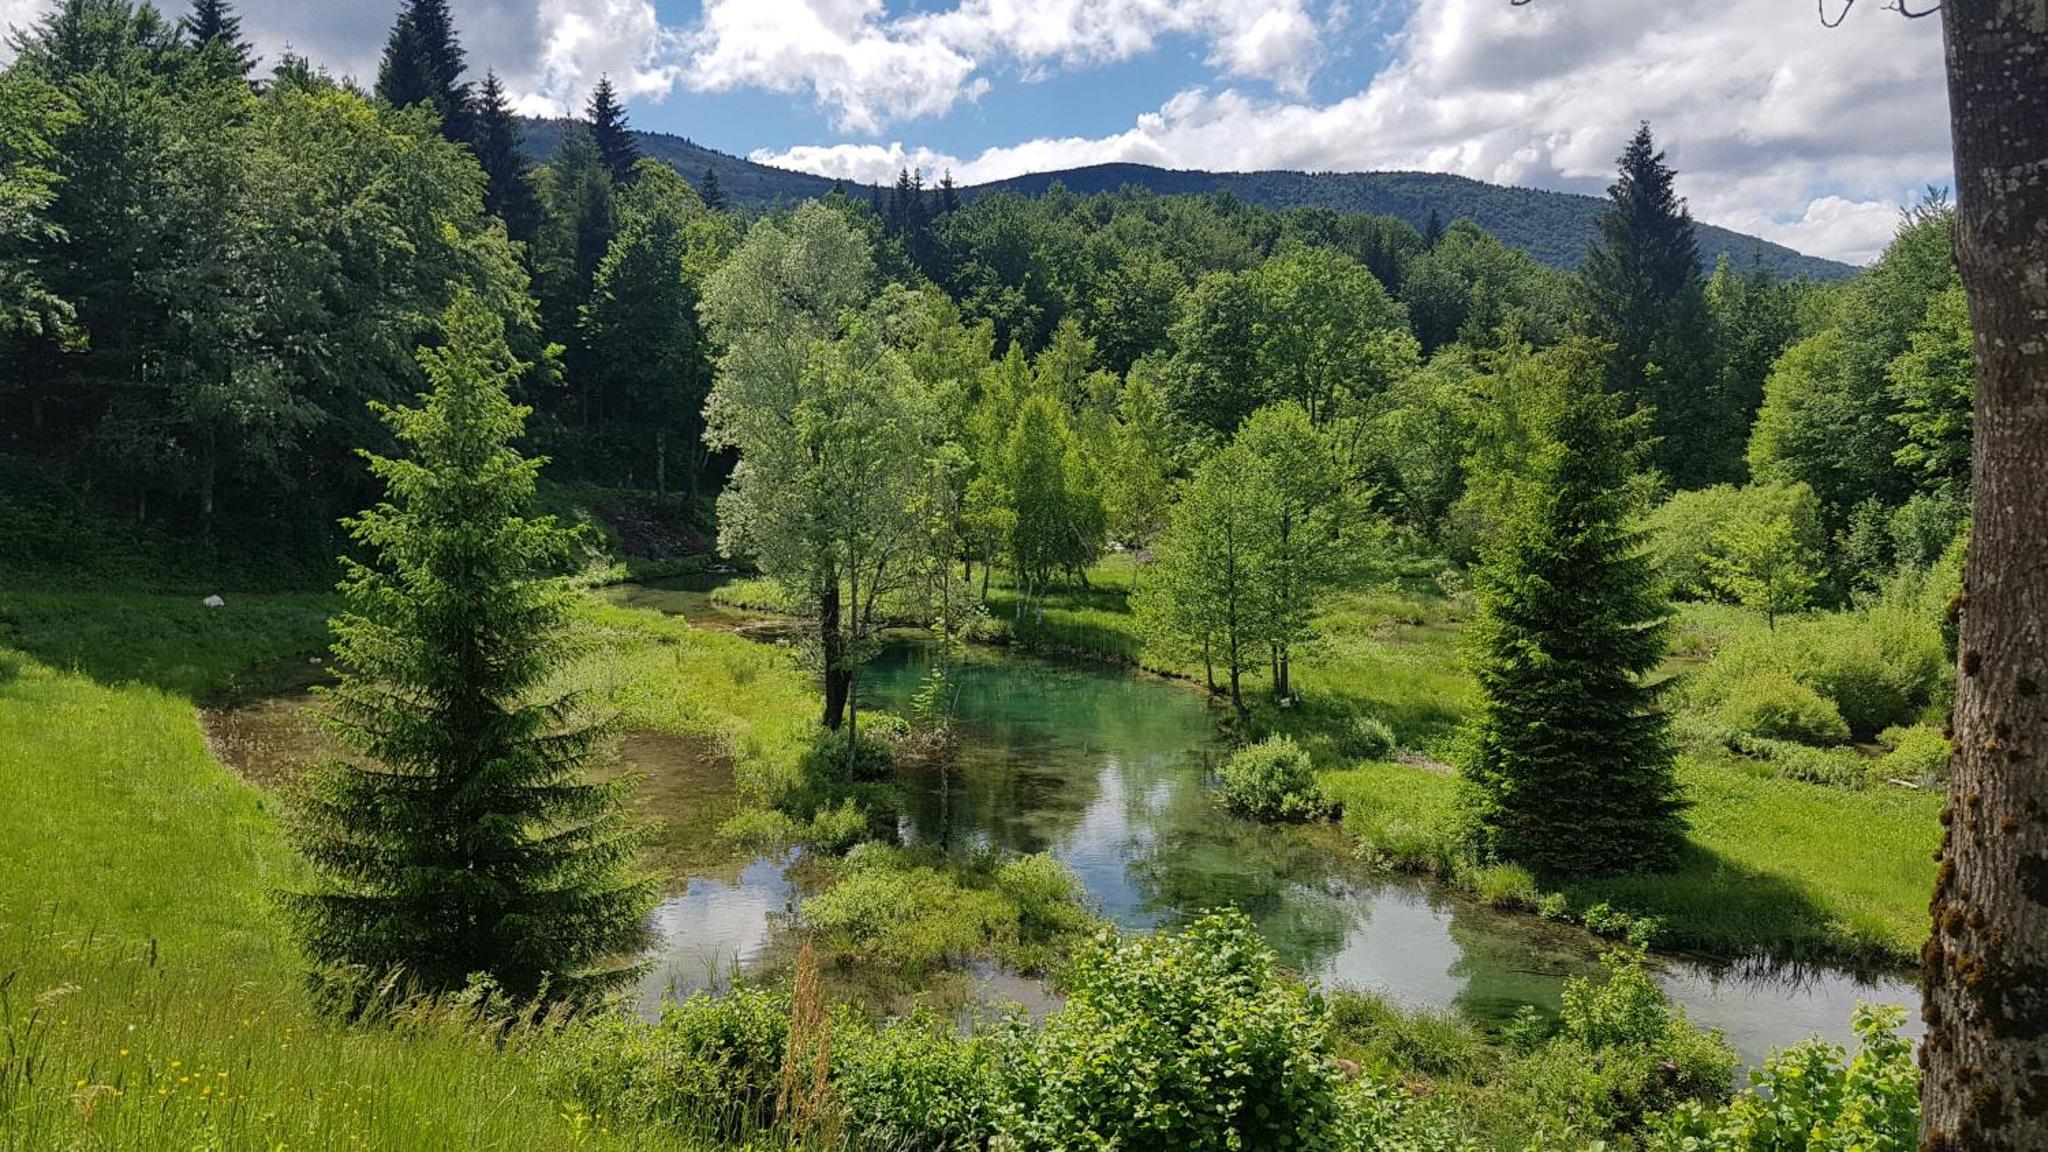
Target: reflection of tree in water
{"x":1203,"y":858}
{"x":1035,"y":741}
{"x":1508,"y":960}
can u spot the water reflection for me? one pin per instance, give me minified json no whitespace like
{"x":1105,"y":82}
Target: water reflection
{"x":1107,"y":772}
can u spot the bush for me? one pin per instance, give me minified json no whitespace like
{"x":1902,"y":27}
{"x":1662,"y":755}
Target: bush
{"x":1274,"y":781}
{"x":1622,"y":1052}
{"x":1505,"y":886}
{"x":1813,"y":1096}
{"x":1845,"y":662}
{"x":917,"y":1084}
{"x":892,"y":906}
{"x":1918,"y":754}
{"x":1371,"y":738}
{"x":1186,"y":1040}
{"x":1773,"y":704}
{"x":712,"y":1065}
{"x":1687,"y":533}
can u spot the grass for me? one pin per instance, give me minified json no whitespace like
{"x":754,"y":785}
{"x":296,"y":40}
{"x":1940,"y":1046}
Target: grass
{"x":149,"y":994}
{"x":1773,"y":864}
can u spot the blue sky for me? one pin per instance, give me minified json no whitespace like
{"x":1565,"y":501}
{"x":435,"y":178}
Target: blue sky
{"x":1778,"y":126}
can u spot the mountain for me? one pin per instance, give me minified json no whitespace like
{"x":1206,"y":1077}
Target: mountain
{"x":1554,"y":227}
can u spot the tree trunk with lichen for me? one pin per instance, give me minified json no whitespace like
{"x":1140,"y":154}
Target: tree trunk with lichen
{"x":1984,"y":1084}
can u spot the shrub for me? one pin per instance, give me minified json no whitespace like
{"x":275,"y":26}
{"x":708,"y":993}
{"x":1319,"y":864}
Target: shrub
{"x":1621,"y":1052}
{"x":1845,"y":662}
{"x":1273,"y":781}
{"x":1371,"y":738}
{"x":1773,"y":704}
{"x":1505,"y":886}
{"x":712,"y":1065}
{"x":917,"y":1084}
{"x":1046,"y":894}
{"x":1186,"y":1040}
{"x":892,"y":906}
{"x":1918,"y":753}
{"x":1813,"y":1095}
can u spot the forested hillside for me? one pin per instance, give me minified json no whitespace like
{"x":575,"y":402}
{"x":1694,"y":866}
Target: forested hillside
{"x":1557,"y":228}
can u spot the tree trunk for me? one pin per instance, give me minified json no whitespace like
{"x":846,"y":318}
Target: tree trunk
{"x":661,"y":464}
{"x":1984,"y":1086}
{"x":1208,"y":666}
{"x":838,"y":677}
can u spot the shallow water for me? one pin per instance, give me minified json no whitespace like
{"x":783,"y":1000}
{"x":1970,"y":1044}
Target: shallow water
{"x":1107,"y":771}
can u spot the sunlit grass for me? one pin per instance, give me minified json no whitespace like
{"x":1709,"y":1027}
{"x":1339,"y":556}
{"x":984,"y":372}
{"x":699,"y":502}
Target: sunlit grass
{"x":149,"y":994}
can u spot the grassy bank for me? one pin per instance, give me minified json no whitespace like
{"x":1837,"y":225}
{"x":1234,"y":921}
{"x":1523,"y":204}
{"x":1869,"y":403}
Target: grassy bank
{"x":149,"y":997}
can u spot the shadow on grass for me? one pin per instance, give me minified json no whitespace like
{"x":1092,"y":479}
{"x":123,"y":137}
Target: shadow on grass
{"x":251,"y":646}
{"x":1713,"y":904}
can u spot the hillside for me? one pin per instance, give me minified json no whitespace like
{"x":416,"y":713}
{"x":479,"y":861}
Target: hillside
{"x":1554,"y":227}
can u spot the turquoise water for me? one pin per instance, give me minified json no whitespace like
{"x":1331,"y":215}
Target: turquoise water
{"x":1108,"y":772}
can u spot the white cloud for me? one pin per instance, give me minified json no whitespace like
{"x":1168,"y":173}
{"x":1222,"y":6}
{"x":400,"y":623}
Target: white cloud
{"x":868,"y":68}
{"x":1778,"y":126}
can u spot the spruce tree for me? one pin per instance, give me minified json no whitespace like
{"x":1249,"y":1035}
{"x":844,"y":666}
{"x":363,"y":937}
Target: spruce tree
{"x":712,"y":195}
{"x":508,"y":186}
{"x":462,"y":837}
{"x":1571,"y":764}
{"x":423,"y":64}
{"x":1645,"y":295}
{"x":614,"y":137}
{"x":216,"y":34}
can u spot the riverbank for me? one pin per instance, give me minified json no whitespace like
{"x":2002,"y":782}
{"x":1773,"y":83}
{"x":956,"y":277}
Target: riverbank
{"x":1774,"y":866}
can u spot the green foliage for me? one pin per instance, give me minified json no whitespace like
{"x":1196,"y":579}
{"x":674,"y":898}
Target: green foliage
{"x":1813,"y":1097}
{"x":911,"y":914}
{"x":1646,"y":298}
{"x":649,"y":360}
{"x":1371,"y":738}
{"x":1571,"y":767}
{"x":1056,"y":521}
{"x":1917,"y":753}
{"x":1621,"y":1053}
{"x":1273,"y":781}
{"x":1761,"y":537}
{"x":712,"y":1065}
{"x":465,"y":838}
{"x":1874,"y":404}
{"x":423,"y":64}
{"x":917,"y":1084}
{"x":1934,"y":388}
{"x":1773,"y":703}
{"x":1186,"y":1040}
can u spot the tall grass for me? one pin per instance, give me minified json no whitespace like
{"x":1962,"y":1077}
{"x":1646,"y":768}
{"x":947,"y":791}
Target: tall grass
{"x":149,"y":996}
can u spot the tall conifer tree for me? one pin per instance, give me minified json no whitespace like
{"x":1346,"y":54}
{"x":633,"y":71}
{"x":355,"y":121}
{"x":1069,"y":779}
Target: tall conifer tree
{"x":423,"y":64}
{"x":1571,"y":767}
{"x":216,"y":33}
{"x":463,"y":837}
{"x":713,"y":195}
{"x":1646,"y":296}
{"x":614,"y":136}
{"x":508,"y":187}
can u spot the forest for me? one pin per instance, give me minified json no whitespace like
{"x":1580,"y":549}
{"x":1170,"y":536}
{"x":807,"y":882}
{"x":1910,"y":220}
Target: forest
{"x":425,"y":569}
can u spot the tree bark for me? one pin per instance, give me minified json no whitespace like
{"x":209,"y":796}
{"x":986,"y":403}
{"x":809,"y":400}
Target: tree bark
{"x":1984,"y":1085}
{"x":838,"y":676}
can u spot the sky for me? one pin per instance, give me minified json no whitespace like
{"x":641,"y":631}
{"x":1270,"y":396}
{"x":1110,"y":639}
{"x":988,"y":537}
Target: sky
{"x":1778,"y":126}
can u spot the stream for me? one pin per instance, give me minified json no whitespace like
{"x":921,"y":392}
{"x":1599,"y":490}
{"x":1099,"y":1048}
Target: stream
{"x":1107,"y":771}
